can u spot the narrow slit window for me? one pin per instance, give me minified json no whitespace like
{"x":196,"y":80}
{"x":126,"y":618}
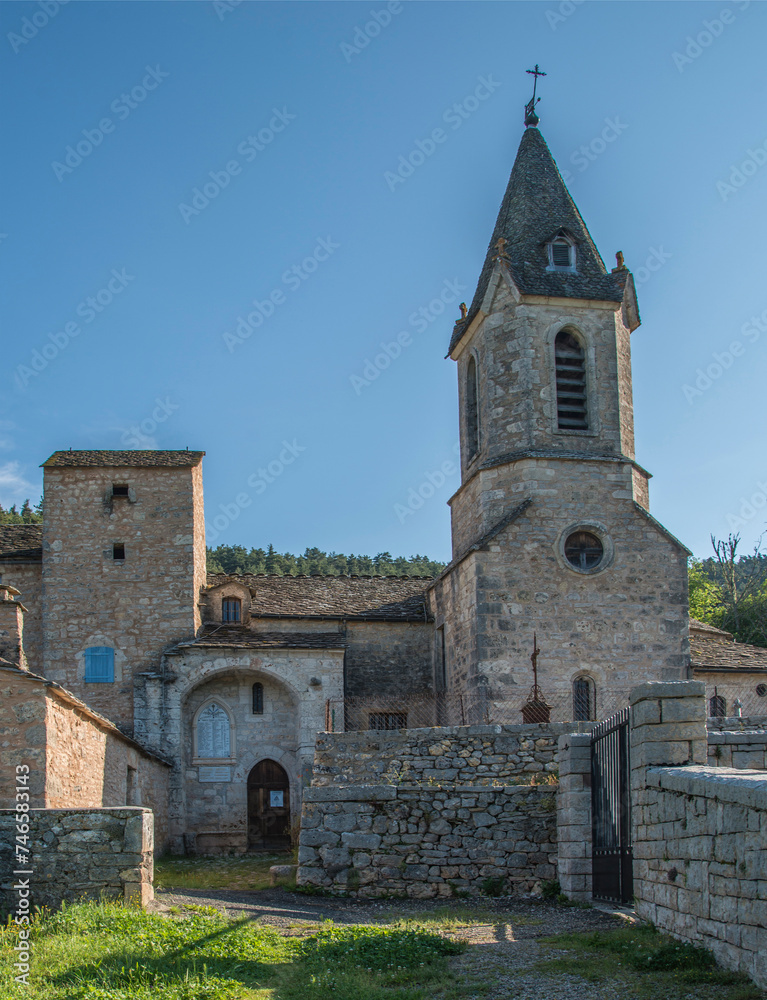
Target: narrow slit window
{"x":118,"y":551}
{"x":230,"y":609}
{"x":472,"y":409}
{"x":570,"y":361}
{"x":258,"y":699}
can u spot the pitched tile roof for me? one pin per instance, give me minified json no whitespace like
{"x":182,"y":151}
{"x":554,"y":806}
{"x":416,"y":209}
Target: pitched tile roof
{"x":367,"y":598}
{"x":242,"y":637}
{"x":712,"y":649}
{"x":535,"y":207}
{"x":21,"y":542}
{"x":123,"y":459}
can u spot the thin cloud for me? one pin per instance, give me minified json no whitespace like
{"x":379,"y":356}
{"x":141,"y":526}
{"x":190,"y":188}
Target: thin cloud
{"x":14,"y":486}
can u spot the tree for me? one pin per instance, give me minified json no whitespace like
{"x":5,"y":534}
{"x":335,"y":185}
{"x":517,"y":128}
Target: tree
{"x":729,"y":591}
{"x":27,"y":514}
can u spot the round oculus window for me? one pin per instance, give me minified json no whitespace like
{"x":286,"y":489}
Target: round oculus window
{"x":761,"y":690}
{"x":584,"y":550}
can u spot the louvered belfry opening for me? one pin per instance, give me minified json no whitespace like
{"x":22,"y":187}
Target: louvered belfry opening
{"x":572,"y":412}
{"x":560,"y":253}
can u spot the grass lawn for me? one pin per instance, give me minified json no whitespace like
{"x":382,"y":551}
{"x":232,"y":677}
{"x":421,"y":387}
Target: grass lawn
{"x":105,"y":951}
{"x":245,"y":871}
{"x":652,"y":965}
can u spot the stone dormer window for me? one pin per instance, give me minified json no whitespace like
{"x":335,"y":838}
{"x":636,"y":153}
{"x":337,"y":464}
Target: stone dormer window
{"x":561,"y":251}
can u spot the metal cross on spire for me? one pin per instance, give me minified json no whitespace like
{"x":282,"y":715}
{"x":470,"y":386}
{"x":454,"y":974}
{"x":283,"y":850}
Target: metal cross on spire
{"x":531,"y":118}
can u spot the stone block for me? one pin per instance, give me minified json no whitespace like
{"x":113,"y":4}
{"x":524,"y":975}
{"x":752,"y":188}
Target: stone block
{"x":366,"y":841}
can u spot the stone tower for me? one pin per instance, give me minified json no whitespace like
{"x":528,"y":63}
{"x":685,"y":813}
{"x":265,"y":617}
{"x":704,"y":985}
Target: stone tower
{"x":551,"y":529}
{"x":123,"y":567}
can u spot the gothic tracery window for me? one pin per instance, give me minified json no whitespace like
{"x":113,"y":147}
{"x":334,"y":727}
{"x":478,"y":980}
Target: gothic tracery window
{"x":214,"y":738}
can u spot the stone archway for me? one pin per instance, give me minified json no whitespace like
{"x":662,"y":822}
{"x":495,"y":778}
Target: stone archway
{"x":268,"y":806}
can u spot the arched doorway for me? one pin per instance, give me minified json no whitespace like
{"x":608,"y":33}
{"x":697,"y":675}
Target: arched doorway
{"x":268,"y":806}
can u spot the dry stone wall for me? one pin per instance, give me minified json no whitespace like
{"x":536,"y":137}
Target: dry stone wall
{"x":425,"y":842}
{"x":81,"y":853}
{"x":471,"y":755}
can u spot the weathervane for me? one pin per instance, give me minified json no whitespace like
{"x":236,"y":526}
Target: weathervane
{"x":531,"y":118}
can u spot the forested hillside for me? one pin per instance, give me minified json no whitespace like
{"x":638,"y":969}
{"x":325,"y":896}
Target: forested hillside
{"x":238,"y":559}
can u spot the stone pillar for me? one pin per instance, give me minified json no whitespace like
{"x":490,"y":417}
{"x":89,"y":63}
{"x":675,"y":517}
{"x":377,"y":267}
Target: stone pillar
{"x":574,"y":815}
{"x":12,"y":627}
{"x":668,"y":728}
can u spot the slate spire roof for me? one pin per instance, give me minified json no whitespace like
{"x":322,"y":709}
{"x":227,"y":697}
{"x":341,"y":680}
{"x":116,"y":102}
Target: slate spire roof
{"x":535,"y":207}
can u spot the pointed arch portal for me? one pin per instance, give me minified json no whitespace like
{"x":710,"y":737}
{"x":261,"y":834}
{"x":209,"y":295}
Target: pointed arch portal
{"x":268,"y":806}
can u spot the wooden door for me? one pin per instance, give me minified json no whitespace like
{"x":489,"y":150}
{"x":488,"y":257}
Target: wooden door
{"x":268,"y":806}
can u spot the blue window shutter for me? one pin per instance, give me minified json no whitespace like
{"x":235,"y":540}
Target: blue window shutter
{"x":100,"y":664}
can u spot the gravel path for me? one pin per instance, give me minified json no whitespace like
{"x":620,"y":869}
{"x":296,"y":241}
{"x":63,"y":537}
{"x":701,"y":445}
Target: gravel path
{"x":523,"y":919}
{"x":504,"y":939}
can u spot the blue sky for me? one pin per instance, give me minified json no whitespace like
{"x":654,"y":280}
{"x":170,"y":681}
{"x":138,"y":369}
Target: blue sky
{"x":288,"y":133}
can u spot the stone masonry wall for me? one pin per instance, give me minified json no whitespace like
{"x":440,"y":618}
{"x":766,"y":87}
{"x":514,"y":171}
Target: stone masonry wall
{"x":75,"y":760}
{"x":27,"y":578}
{"x":743,"y":749}
{"x":81,"y":852}
{"x":376,"y":652}
{"x":472,"y":755}
{"x":700,"y":865}
{"x":139,"y":605}
{"x":427,"y":842}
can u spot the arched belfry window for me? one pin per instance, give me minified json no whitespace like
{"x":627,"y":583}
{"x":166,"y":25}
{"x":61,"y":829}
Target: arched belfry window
{"x":472,"y":409}
{"x":572,"y":404}
{"x":583,"y":700}
{"x":231,"y":609}
{"x":214,"y":737}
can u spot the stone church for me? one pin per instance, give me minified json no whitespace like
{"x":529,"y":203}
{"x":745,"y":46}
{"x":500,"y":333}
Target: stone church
{"x":130,"y":676}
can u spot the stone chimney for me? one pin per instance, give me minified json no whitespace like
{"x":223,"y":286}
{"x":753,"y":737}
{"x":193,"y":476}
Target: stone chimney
{"x":12,"y":627}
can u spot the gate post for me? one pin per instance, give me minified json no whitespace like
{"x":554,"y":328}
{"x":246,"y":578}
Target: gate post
{"x":574,"y":815}
{"x":668,"y":728}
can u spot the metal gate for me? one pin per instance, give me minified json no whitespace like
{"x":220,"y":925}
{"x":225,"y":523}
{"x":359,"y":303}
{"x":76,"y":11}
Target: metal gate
{"x":611,"y":850}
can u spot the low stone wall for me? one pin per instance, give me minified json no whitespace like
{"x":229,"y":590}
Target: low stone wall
{"x":735,"y":723}
{"x":80,"y":853}
{"x":700,"y":864}
{"x":424,"y":842}
{"x":701,"y":861}
{"x":743,"y":749}
{"x":473,"y":755}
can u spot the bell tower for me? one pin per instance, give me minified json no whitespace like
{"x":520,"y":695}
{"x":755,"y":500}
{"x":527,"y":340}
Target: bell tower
{"x":551,"y":529}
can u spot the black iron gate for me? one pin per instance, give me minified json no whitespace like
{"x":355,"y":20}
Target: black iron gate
{"x":611,"y":850}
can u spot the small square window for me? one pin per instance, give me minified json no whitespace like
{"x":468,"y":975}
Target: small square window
{"x":120,"y":489}
{"x":118,"y":551}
